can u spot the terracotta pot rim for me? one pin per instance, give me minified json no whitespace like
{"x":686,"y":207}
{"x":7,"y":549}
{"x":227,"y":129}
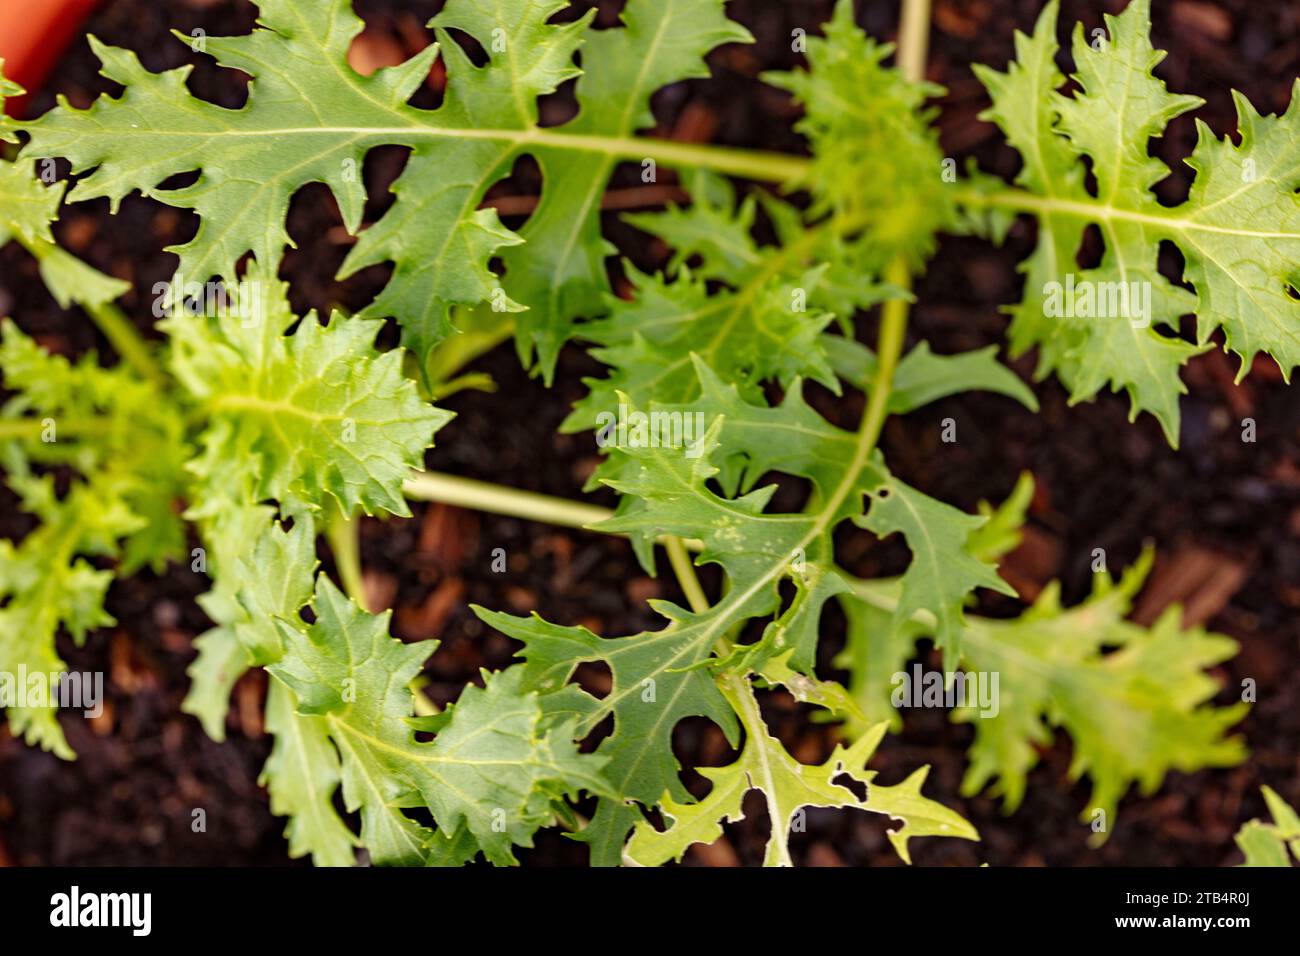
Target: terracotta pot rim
{"x":33,"y":37}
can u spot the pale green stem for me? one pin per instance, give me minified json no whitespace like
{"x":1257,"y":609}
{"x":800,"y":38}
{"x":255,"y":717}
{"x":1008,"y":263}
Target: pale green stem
{"x":471,"y":382}
{"x":495,"y":499}
{"x":342,"y":532}
{"x":684,"y":568}
{"x":913,"y":39}
{"x":889,"y":346}
{"x":424,"y":706}
{"x":745,"y":163}
{"x":117,"y":328}
{"x":513,"y":503}
{"x":126,"y":340}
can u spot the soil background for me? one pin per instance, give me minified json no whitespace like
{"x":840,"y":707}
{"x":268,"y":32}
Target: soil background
{"x":1224,"y":515}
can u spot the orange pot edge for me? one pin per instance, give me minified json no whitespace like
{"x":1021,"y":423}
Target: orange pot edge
{"x":32,"y":38}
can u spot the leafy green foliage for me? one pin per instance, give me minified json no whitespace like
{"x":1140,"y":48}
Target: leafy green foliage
{"x":558,"y":274}
{"x":1266,"y":844}
{"x":788,"y":787}
{"x":310,"y":419}
{"x":311,"y":119}
{"x":1238,"y":230}
{"x":313,"y":415}
{"x":494,"y":767}
{"x":855,"y":105}
{"x":27,"y":208}
{"x":923,"y":377}
{"x":662,"y":677}
{"x":942,"y":572}
{"x":733,"y":364}
{"x":765,"y":324}
{"x":112,"y":431}
{"x":1134,"y":700}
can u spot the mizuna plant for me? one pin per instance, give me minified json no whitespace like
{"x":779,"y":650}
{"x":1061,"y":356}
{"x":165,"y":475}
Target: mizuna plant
{"x":1266,"y":844}
{"x":271,"y":428}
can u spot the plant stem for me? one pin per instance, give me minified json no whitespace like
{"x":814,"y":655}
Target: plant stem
{"x":913,"y":42}
{"x":342,"y":532}
{"x":117,"y":328}
{"x":745,"y":163}
{"x":684,"y":568}
{"x":889,"y":347}
{"x":513,"y":503}
{"x":126,"y":341}
{"x":472,"y":381}
{"x":496,"y":499}
{"x":479,"y":330}
{"x":914,"y":39}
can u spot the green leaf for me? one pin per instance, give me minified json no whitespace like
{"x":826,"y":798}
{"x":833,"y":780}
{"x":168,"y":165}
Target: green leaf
{"x":787,"y":787}
{"x":765,"y":326}
{"x":44,"y":587}
{"x":301,"y":775}
{"x":1001,"y":534}
{"x":252,"y":588}
{"x":855,"y":108}
{"x":494,"y":766}
{"x":877,"y":648}
{"x":8,"y":88}
{"x":1238,"y":231}
{"x":923,"y":377}
{"x":313,"y":419}
{"x":829,"y":695}
{"x":27,"y":208}
{"x":313,"y":415}
{"x":655,"y":686}
{"x":1266,"y":844}
{"x":661,"y":677}
{"x":943,"y":571}
{"x":311,"y":119}
{"x":1135,"y":700}
{"x":124,"y":447}
{"x":559,"y":274}
{"x":221,"y":661}
{"x":1133,"y":714}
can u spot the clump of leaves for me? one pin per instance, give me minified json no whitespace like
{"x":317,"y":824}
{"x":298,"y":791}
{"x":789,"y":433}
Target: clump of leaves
{"x":1237,"y":231}
{"x":274,"y":426}
{"x":1266,"y":844}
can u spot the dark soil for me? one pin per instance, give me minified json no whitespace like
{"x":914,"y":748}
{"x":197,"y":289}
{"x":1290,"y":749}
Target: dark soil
{"x":1223,"y":514}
